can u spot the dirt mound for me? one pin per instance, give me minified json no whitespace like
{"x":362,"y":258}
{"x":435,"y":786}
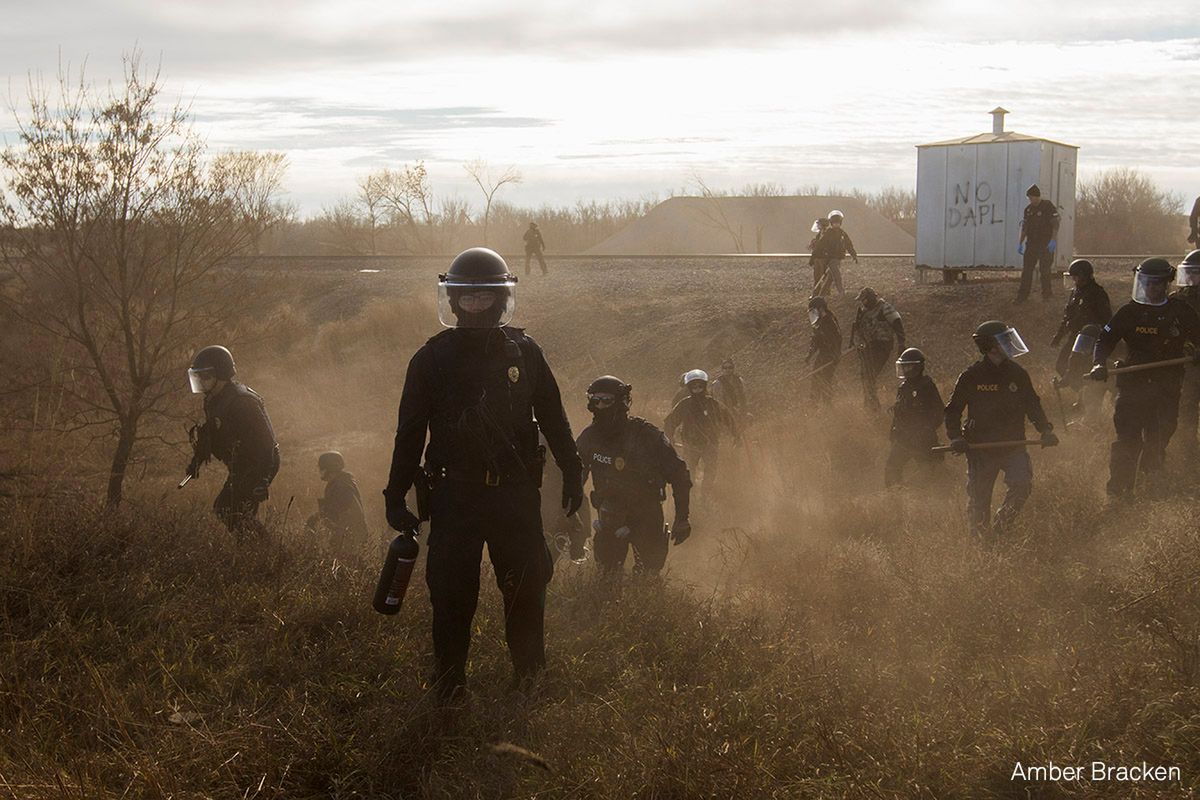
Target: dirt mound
{"x":698,"y":226}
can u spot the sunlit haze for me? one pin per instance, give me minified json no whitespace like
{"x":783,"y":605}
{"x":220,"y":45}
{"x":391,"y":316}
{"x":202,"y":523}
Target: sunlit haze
{"x":617,"y":100}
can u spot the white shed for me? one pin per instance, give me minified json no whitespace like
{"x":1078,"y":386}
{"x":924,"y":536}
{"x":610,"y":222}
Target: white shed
{"x":971,"y":197}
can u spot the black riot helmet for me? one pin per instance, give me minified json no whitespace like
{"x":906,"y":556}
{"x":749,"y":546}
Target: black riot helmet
{"x":608,"y":392}
{"x":868,"y":297}
{"x":1085,"y":340}
{"x":331,"y":461}
{"x":1188,"y":273}
{"x":994,"y":332}
{"x":477,"y":291}
{"x":211,"y":363}
{"x":816,"y":307}
{"x":1081,"y":267}
{"x":910,"y":364}
{"x":1150,"y":281}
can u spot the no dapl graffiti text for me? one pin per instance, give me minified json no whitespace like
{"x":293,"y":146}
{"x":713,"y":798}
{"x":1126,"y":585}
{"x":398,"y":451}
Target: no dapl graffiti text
{"x":972,"y":208}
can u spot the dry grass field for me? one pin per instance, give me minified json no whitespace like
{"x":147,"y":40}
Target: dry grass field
{"x":819,"y":636}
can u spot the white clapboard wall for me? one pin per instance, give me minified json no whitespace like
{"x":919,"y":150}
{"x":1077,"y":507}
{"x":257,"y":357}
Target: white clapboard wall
{"x":971,"y":196}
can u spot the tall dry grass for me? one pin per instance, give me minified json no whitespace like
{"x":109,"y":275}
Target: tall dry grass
{"x":819,"y":636}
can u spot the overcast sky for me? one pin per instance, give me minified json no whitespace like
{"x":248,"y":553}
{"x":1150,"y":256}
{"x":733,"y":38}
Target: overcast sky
{"x":626,"y":99}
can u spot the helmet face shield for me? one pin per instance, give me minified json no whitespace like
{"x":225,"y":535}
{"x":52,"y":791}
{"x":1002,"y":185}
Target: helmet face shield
{"x":909,"y":369}
{"x":814,"y":314}
{"x":1150,"y":290}
{"x":1011,"y":343}
{"x":1068,"y":281}
{"x":201,"y":380}
{"x":1188,"y":276}
{"x":481,"y":304}
{"x":1084,"y":344}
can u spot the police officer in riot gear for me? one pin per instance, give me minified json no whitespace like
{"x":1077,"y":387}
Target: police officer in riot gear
{"x":915,"y":416}
{"x":340,"y":513}
{"x":1154,"y":327}
{"x":998,"y":396}
{"x":630,"y":462}
{"x":701,"y":422}
{"x":824,"y":350}
{"x":238,"y":433}
{"x":1187,"y":278}
{"x":482,"y":390}
{"x":877,"y":327}
{"x":1087,"y":305}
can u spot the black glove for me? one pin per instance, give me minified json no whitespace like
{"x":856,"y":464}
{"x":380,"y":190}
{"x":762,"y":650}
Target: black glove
{"x":572,"y":496}
{"x":681,"y":530}
{"x":959,"y":445}
{"x":260,"y":492}
{"x":400,"y":518}
{"x":1099,"y":373}
{"x":1049,"y":439}
{"x":194,"y":467}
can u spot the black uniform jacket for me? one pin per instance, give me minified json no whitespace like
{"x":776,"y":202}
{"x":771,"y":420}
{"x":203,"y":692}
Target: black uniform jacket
{"x":917,"y":413}
{"x":342,"y":505}
{"x":833,"y":242}
{"x":1151,"y":333}
{"x":702,"y":420}
{"x":1189,"y":295}
{"x":632,"y":464}
{"x":1040,"y":223}
{"x":826,"y":340}
{"x":1087,"y":305}
{"x":482,"y":395}
{"x":997,"y":398}
{"x":240,"y":435}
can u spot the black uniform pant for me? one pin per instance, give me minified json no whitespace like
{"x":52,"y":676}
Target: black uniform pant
{"x":983,"y":468}
{"x":874,"y":357}
{"x":703,"y":462}
{"x":824,"y":379}
{"x":904,"y":451}
{"x":507,"y":518}
{"x":1036,"y":257}
{"x":646,"y":535}
{"x":238,"y":509}
{"x":827,"y":276}
{"x":532,"y":254}
{"x":1145,"y":416}
{"x":1189,"y":410}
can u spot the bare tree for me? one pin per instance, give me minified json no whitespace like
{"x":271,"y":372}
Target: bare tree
{"x":1123,"y":211}
{"x":257,"y":181}
{"x":371,"y":206}
{"x":490,"y":184}
{"x":407,"y":196}
{"x":712,"y":213}
{"x":119,"y":247}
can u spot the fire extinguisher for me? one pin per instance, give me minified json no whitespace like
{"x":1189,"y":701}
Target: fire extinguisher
{"x":396,"y":572}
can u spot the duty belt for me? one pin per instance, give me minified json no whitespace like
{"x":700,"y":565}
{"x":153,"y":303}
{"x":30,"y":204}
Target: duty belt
{"x":485,"y":476}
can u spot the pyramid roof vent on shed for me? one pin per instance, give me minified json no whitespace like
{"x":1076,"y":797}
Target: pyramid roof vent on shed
{"x":996,"y":135}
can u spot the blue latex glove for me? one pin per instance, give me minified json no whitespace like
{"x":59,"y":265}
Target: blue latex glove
{"x":1021,"y":249}
{"x":1053,"y":245}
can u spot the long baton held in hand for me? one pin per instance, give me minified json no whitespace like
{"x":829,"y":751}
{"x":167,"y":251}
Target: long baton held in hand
{"x":989,"y":445}
{"x":1170,"y":362}
{"x":808,"y":375}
